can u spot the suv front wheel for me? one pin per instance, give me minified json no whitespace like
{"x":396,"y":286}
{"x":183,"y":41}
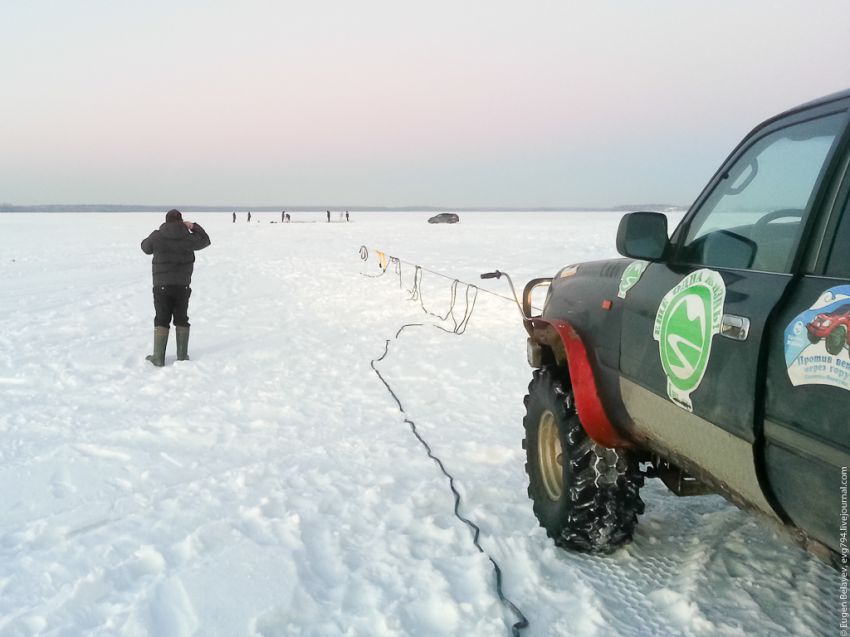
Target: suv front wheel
{"x":584,"y":495}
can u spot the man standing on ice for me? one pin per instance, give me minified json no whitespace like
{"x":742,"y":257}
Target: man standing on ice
{"x":173,"y":248}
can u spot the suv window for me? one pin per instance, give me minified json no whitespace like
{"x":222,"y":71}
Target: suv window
{"x":753,"y":217}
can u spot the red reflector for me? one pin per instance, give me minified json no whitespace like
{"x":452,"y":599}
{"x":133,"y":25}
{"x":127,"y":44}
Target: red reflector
{"x":606,"y":304}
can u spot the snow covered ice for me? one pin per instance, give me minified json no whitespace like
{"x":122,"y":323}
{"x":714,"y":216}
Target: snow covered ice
{"x":270,"y":487}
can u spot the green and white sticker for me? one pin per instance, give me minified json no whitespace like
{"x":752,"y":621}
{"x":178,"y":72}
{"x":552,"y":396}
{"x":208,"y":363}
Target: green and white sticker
{"x":631,"y":275}
{"x":688,"y":317}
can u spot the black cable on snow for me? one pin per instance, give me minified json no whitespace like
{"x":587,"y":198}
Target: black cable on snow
{"x":522,"y":621}
{"x":459,"y":328}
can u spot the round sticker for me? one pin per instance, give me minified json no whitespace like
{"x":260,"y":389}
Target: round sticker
{"x":817,"y":341}
{"x":687,"y":319}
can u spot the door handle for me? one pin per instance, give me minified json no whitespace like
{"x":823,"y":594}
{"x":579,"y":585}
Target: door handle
{"x":735,"y":327}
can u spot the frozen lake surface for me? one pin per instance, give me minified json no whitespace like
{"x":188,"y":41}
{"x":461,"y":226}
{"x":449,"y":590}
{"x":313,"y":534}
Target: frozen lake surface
{"x":270,"y":486}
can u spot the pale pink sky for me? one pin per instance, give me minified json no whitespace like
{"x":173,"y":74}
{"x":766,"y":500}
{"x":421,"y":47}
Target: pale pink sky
{"x":461,"y":103}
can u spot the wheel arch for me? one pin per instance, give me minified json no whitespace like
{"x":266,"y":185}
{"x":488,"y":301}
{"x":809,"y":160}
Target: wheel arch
{"x":569,"y":352}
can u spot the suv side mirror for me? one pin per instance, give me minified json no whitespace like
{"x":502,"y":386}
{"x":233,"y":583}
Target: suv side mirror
{"x":643,"y":235}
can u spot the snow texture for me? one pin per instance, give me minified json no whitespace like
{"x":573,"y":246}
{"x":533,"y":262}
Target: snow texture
{"x":270,"y":487}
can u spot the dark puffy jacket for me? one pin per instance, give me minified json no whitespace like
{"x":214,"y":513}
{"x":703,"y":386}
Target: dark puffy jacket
{"x":173,"y":249}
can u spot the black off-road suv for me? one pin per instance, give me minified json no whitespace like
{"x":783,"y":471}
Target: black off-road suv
{"x":715,"y":359}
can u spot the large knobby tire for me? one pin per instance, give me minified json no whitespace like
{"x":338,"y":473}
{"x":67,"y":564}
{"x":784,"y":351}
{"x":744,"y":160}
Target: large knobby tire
{"x":836,"y":340}
{"x":584,"y":495}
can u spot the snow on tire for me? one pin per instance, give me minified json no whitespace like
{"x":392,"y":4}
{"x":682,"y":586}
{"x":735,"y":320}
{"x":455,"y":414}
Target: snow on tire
{"x":584,"y":495}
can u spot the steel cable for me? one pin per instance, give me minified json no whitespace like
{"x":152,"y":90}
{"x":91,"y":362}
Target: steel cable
{"x":364,"y":256}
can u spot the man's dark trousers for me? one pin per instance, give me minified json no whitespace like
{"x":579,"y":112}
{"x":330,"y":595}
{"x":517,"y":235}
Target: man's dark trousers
{"x":171,"y":300}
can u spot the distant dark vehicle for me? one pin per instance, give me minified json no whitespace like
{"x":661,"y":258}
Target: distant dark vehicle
{"x":444,"y":217}
{"x":697,"y":358}
{"x":834,"y":327}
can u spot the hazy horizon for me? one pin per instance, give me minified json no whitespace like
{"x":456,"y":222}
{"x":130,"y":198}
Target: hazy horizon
{"x":107,"y":207}
{"x":475,"y":104}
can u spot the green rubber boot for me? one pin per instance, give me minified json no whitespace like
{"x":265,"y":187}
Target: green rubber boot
{"x":160,"y":340}
{"x":182,"y":342}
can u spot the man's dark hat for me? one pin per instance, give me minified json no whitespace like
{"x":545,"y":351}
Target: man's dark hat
{"x":173,"y":215}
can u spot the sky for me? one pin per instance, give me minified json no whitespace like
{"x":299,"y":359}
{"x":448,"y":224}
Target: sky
{"x":473,"y":103}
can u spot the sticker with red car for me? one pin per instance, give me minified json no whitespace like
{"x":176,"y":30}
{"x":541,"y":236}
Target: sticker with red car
{"x":817,"y":342}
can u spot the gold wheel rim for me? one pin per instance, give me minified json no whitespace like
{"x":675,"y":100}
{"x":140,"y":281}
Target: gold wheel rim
{"x":550,"y":455}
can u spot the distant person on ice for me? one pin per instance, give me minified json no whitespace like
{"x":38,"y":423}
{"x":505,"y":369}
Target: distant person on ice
{"x":234,"y":217}
{"x":249,"y":216}
{"x":173,"y":248}
{"x":329,"y":215}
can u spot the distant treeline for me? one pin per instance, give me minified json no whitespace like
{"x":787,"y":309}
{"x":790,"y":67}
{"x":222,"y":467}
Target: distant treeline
{"x":7,"y":207}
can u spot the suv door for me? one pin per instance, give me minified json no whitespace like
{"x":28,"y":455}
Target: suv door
{"x":693,"y":326}
{"x":807,"y":398}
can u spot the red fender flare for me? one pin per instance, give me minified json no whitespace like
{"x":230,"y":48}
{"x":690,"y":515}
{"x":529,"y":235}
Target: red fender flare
{"x":589,"y":406}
